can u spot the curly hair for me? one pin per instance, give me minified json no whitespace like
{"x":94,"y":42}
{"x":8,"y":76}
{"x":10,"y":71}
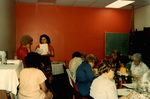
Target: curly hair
{"x":47,"y":38}
{"x":143,"y":85}
{"x":105,"y":66}
{"x":26,"y":39}
{"x":91,"y":58}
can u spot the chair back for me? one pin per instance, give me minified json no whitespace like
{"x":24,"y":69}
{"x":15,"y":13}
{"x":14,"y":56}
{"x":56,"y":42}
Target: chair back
{"x":74,"y":85}
{"x":69,"y":77}
{"x":76,"y":91}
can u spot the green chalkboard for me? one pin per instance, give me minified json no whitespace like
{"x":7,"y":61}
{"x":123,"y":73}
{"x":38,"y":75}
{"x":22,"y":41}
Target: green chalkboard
{"x":116,"y":41}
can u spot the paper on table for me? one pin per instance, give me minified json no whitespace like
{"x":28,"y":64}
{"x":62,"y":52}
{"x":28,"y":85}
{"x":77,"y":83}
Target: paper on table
{"x":44,"y":48}
{"x":124,"y":92}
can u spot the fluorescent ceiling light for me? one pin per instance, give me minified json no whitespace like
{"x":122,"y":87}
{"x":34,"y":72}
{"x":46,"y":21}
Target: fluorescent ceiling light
{"x":119,"y":4}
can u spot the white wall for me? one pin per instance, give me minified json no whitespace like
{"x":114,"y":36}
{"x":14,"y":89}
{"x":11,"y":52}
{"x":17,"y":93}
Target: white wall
{"x":142,"y":17}
{"x":8,"y":27}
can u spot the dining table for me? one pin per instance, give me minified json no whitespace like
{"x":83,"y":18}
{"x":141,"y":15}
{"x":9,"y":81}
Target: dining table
{"x":9,"y":73}
{"x":126,"y":88}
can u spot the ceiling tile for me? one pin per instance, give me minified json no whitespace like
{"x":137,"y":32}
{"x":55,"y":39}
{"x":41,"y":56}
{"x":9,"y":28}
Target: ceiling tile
{"x":65,"y":2}
{"x":89,"y":3}
{"x":26,"y":1}
{"x":82,"y":4}
{"x":86,"y":0}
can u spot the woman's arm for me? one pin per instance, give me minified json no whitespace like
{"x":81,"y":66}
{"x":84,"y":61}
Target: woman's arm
{"x":48,"y":94}
{"x":43,"y":87}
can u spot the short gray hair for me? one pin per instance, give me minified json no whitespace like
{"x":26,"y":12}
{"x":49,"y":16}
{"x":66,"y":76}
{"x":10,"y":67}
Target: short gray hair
{"x":137,"y":57}
{"x":91,"y":58}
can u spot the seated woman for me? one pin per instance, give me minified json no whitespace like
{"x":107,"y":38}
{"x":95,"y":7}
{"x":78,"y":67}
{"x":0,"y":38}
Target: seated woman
{"x":85,"y":75}
{"x":32,"y":80}
{"x":115,"y":58}
{"x":123,"y":61}
{"x":138,"y":68}
{"x":104,"y":86}
{"x":74,"y":63}
{"x":143,"y":87}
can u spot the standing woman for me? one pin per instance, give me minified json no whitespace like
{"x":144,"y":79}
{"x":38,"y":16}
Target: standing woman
{"x":25,"y":48}
{"x":44,"y":39}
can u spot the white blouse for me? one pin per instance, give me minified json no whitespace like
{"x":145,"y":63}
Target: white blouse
{"x":103,"y":88}
{"x":73,"y":65}
{"x":138,"y":70}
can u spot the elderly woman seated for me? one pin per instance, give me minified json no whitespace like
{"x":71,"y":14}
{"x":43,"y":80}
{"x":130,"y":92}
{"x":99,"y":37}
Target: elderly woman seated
{"x":138,"y":68}
{"x":104,"y":86}
{"x":32,"y":80}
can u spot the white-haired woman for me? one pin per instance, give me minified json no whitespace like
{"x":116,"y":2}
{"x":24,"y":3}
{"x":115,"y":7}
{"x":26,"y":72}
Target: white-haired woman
{"x":138,"y":68}
{"x":143,"y":87}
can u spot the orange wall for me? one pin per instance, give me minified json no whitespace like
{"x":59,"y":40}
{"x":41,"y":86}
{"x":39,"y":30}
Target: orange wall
{"x":70,"y":28}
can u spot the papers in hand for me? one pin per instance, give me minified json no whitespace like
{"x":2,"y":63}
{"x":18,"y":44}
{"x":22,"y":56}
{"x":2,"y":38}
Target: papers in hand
{"x":39,"y":51}
{"x":44,"y":48}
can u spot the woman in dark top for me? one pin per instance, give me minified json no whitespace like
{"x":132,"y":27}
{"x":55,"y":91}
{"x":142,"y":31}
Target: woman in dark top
{"x":85,"y":75}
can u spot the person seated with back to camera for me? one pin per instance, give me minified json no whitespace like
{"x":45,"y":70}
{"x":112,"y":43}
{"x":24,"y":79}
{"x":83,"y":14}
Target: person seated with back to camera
{"x":32,"y":80}
{"x":138,"y":68}
{"x":85,"y":75}
{"x":74,"y":63}
{"x":103,"y":87}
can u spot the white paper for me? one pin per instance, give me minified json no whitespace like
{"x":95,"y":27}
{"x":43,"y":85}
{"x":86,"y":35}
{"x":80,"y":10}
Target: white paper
{"x":39,"y":51}
{"x":124,"y":92}
{"x":44,"y":48}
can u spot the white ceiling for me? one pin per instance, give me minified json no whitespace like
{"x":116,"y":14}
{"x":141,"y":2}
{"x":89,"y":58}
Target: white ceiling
{"x":88,"y":3}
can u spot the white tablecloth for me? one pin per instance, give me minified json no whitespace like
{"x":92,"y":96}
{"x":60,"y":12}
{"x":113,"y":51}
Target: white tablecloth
{"x":57,"y":68}
{"x":9,"y":75}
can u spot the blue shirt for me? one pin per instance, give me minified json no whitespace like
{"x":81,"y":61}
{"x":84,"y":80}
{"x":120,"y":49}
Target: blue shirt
{"x":84,"y":78}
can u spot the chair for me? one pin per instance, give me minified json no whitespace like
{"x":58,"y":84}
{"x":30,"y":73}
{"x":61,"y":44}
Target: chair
{"x":69,"y":77}
{"x":3,"y":94}
{"x":76,"y":91}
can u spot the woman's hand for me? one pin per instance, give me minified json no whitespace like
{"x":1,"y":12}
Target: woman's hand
{"x":28,"y":47}
{"x":51,"y":53}
{"x":127,"y":97}
{"x":48,"y":95}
